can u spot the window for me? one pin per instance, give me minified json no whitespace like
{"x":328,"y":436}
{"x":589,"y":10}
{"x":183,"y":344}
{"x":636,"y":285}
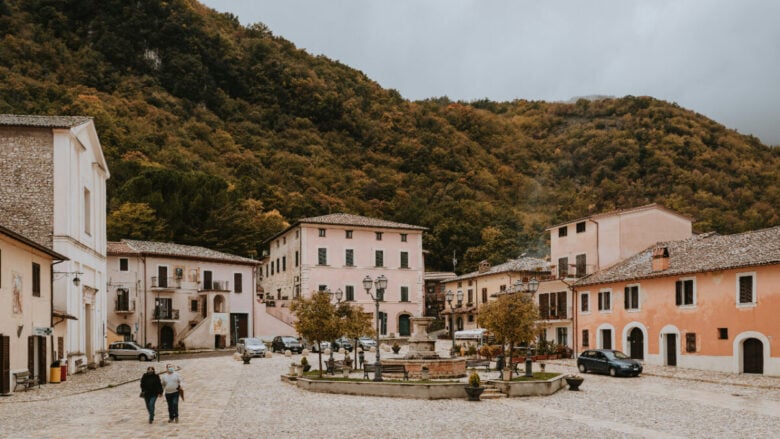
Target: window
{"x":723,"y":333}
{"x":348,"y":234}
{"x":581,"y":267}
{"x":563,"y":267}
{"x":746,"y":293}
{"x":297,"y":234}
{"x":207,"y":279}
{"x":631,"y":297}
{"x":563,"y":336}
{"x":349,"y":257}
{"x":87,"y":212}
{"x":684,"y":292}
{"x":193,"y":305}
{"x":123,"y":264}
{"x":585,"y":338}
{"x":382,"y":323}
{"x":404,"y":294}
{"x":403,"y":237}
{"x":238,"y":283}
{"x":284,"y":263}
{"x":604,"y":300}
{"x":322,"y":233}
{"x":350,"y":293}
{"x":471,"y":318}
{"x":322,"y":287}
{"x":484,"y":295}
{"x":404,"y":259}
{"x":378,"y":236}
{"x":379,"y":258}
{"x":470,"y":294}
{"x":277,"y":266}
{"x":581,"y":227}
{"x":1,"y":269}
{"x":690,"y":342}
{"x":322,"y":256}
{"x":380,"y":295}
{"x":584,"y":302}
{"x":284,"y":240}
{"x":563,"y":231}
{"x":272,"y":268}
{"x":296,"y":258}
{"x":552,"y":305}
{"x":122,"y":299}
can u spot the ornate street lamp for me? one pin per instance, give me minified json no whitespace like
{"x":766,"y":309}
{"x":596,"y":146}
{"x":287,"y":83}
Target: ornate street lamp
{"x":380,"y":283}
{"x":449,"y":297}
{"x":529,"y":289}
{"x":331,"y":362}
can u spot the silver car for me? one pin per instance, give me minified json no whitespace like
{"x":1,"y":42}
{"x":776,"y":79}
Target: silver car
{"x":253,"y":346}
{"x":129,"y":350}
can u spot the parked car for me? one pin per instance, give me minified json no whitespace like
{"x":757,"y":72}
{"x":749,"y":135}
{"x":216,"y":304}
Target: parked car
{"x":312,"y":346}
{"x":282,"y":343}
{"x":129,"y":350}
{"x":253,"y":346}
{"x":608,"y":361}
{"x":343,"y":342}
{"x":365,"y":343}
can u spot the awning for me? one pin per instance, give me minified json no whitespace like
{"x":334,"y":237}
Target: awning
{"x":62,"y":315}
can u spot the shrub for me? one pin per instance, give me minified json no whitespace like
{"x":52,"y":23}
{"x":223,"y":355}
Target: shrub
{"x":472,"y":350}
{"x":474,"y":380}
{"x":304,"y":361}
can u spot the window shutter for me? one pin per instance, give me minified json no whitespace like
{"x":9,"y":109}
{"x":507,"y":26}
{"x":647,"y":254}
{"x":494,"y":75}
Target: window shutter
{"x":42,"y":363}
{"x":626,"y":297}
{"x":601,"y":301}
{"x":678,"y":290}
{"x":562,"y":305}
{"x":5,"y":364}
{"x":31,"y":354}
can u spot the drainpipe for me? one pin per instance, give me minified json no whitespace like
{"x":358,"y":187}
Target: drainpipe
{"x":597,"y":266}
{"x":51,"y":302}
{"x":143,"y":282}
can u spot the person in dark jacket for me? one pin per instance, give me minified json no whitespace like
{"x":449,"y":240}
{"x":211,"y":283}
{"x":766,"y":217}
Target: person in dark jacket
{"x":151,"y":388}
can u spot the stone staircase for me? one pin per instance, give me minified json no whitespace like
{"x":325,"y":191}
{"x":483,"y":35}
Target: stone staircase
{"x":491,"y":392}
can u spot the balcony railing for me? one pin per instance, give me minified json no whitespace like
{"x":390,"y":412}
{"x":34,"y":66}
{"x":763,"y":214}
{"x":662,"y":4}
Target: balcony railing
{"x":216,"y":285}
{"x":166,"y":282}
{"x":124,"y":306}
{"x":166,"y":314}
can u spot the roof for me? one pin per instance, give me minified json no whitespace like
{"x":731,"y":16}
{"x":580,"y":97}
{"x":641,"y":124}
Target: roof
{"x":346,"y":219}
{"x":438,"y":275}
{"x":526,"y":264}
{"x":151,"y":248}
{"x":43,"y":121}
{"x":701,"y":253}
{"x":27,"y":241}
{"x":621,"y":212}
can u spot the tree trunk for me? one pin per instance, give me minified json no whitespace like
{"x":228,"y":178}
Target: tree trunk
{"x":511,"y":351}
{"x":319,"y":355}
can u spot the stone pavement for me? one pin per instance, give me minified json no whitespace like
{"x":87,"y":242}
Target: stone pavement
{"x":227,"y":399}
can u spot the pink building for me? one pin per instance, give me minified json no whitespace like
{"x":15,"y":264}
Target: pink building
{"x":708,"y":302}
{"x":338,"y":251}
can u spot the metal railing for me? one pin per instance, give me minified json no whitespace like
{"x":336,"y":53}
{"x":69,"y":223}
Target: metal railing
{"x":125,"y":305}
{"x":216,"y":285}
{"x":166,"y":314}
{"x":166,"y":282}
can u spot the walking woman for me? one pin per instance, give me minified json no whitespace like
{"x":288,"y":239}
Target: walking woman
{"x":151,"y":388}
{"x":172,"y":384}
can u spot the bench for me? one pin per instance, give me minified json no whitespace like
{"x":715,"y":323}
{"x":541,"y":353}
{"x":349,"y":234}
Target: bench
{"x":26,"y":380}
{"x":80,"y":366}
{"x":478,"y":363}
{"x":386,"y":368}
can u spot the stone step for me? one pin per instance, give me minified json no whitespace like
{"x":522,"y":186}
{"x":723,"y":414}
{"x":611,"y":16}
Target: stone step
{"x":492,"y":393}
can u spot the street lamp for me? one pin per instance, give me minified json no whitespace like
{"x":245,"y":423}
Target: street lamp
{"x":530,"y":289}
{"x":332,"y":363}
{"x":380,"y":283}
{"x":449,"y":297}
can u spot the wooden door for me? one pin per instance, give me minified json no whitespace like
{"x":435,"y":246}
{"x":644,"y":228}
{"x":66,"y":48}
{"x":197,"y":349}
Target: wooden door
{"x":753,"y":356}
{"x":671,"y":349}
{"x":43,"y":365}
{"x":5,"y":364}
{"x":166,"y":337}
{"x":403,"y":326}
{"x":606,"y":339}
{"x":637,"y":344}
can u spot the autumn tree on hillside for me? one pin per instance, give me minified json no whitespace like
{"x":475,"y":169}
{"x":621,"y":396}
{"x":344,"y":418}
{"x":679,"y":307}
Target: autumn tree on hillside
{"x":354,"y":323}
{"x":511,"y":319}
{"x":316,"y":320}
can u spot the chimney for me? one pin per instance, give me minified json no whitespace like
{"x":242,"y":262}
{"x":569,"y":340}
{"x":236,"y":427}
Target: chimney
{"x":660,"y":258}
{"x":484,"y":266}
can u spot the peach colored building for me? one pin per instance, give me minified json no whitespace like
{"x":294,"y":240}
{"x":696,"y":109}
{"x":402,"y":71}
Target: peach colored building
{"x":338,"y":251}
{"x":173,"y":295}
{"x":708,"y":302}
{"x":26,"y":334}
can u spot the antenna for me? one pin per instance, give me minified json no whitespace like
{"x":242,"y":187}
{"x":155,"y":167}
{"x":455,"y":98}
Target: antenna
{"x":454,"y":260}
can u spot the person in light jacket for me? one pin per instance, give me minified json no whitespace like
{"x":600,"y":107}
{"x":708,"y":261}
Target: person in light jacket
{"x":151,"y":388}
{"x":172,"y":382}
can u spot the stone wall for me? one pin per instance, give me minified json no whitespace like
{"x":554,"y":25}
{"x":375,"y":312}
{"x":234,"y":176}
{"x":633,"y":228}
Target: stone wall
{"x":27,"y":182}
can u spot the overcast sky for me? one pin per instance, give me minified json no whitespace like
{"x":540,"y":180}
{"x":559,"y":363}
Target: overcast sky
{"x":720,"y":58}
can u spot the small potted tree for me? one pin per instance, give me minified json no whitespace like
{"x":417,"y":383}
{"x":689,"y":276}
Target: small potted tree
{"x":574,"y":381}
{"x":305,"y":364}
{"x":396,"y":347}
{"x":473,"y":388}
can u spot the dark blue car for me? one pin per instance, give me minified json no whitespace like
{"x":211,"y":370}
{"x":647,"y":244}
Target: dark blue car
{"x":608,"y":361}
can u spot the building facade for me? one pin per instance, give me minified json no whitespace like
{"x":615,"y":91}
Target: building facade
{"x":26,"y":337}
{"x":170,"y":296}
{"x":53,"y":190}
{"x":338,"y":251}
{"x":708,"y":302}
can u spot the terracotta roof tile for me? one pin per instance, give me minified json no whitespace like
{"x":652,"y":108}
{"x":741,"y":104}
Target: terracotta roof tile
{"x":129,"y":246}
{"x":42,"y":121}
{"x":346,"y":219}
{"x":526,"y":264}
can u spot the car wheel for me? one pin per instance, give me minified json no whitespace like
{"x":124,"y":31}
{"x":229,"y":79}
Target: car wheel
{"x":142,"y":357}
{"x":582,"y":368}
{"x":612,"y":372}
{"x":112,"y":357}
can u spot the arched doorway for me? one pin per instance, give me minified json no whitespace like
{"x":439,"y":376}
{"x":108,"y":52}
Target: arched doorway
{"x":166,"y":337}
{"x":404,"y":329}
{"x":125,"y":332}
{"x":636,"y":342}
{"x":753,"y":356}
{"x":219,"y":303}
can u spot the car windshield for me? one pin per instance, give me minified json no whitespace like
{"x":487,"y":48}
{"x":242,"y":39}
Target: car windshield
{"x":290,"y":339}
{"x":253,"y":342}
{"x":619,"y":355}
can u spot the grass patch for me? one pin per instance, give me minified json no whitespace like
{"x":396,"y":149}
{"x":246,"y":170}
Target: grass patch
{"x":538,"y":376}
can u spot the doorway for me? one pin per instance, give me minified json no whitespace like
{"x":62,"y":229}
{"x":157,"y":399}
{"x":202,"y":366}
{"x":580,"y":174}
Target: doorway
{"x":671,"y":349}
{"x":36,"y":357}
{"x":636,"y":343}
{"x":238,"y":326}
{"x":403,"y":326}
{"x":606,"y":339}
{"x":5,"y":364}
{"x":166,"y":337}
{"x":753,"y":356}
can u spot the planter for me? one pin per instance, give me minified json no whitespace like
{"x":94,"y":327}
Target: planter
{"x":246,"y":358}
{"x":396,"y":349}
{"x":574,"y":382}
{"x":307,"y":367}
{"x":474,"y":392}
{"x":291,"y":372}
{"x":299,"y":370}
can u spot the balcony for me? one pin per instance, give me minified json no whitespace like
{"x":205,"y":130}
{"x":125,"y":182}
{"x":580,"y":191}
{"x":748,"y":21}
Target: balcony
{"x":165,"y":283}
{"x":215,"y":285}
{"x":124,"y":306}
{"x":166,"y":315}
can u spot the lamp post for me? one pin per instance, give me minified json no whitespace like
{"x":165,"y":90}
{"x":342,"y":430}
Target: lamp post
{"x":530,"y":289}
{"x":380,"y":283}
{"x":449,"y":297}
{"x":332,"y":363}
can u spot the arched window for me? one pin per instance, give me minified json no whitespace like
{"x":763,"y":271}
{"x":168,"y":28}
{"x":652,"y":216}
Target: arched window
{"x":125,"y":331}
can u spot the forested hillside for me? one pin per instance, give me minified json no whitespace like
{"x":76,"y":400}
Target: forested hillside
{"x":218,"y":134}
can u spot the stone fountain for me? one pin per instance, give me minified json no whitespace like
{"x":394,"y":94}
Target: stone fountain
{"x":422,"y":353}
{"x":421,"y":345}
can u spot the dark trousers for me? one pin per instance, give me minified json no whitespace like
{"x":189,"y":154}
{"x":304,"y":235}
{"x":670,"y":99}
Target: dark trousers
{"x":150,"y":401}
{"x":173,"y":404}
